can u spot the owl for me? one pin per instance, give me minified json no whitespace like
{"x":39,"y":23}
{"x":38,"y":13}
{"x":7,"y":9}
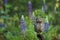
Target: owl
{"x":39,"y":28}
{"x":39,"y":25}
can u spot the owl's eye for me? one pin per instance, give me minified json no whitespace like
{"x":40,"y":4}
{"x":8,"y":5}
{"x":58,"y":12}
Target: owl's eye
{"x":39,"y":22}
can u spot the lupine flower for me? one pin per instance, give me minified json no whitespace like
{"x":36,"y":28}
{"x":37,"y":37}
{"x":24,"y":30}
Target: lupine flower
{"x":46,"y":25}
{"x":44,"y":5}
{"x":2,"y":23}
{"x":22,"y":27}
{"x":29,"y":8}
{"x":5,"y":1}
{"x":22,"y":24}
{"x":42,"y":10}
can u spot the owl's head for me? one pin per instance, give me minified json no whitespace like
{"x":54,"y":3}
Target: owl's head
{"x":38,"y":20}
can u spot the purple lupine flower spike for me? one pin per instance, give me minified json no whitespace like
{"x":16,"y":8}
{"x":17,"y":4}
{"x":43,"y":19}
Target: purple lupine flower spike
{"x":5,"y":1}
{"x":42,"y":10}
{"x":46,"y":25}
{"x":22,"y":27}
{"x":29,"y":8}
{"x":2,"y":24}
{"x":22,"y":24}
{"x":44,"y":5}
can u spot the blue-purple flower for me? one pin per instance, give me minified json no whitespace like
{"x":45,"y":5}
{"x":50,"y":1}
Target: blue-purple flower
{"x":46,"y":25}
{"x":42,"y":10}
{"x":30,"y":8}
{"x":2,"y":24}
{"x":5,"y":1}
{"x":44,"y":5}
{"x":22,"y":24}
